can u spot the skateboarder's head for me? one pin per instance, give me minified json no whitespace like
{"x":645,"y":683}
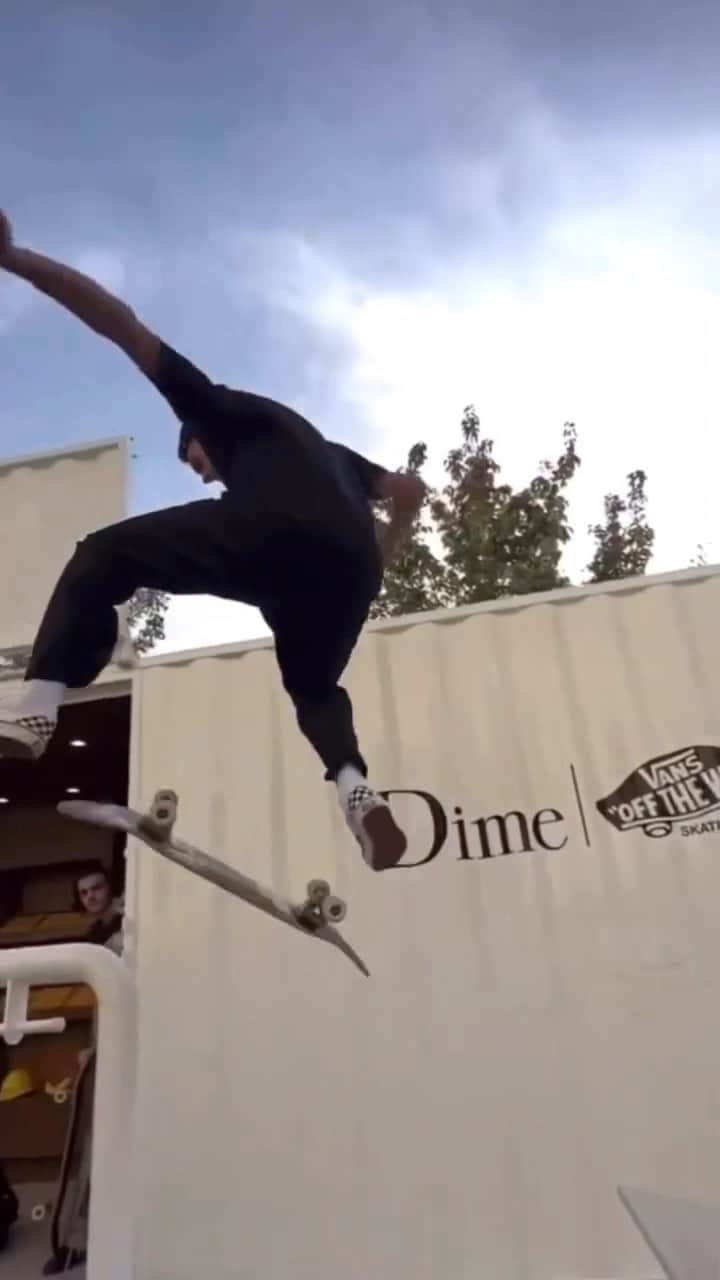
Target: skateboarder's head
{"x":94,"y":891}
{"x":191,"y":451}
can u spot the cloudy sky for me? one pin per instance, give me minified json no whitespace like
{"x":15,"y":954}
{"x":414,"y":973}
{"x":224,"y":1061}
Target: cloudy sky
{"x":379,"y":212}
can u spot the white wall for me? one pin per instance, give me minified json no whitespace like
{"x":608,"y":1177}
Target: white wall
{"x":539,"y":1026}
{"x":47,"y":503}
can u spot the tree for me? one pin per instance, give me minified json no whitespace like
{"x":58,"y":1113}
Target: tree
{"x":496,"y":541}
{"x":146,"y":618}
{"x":624,"y":542}
{"x":480,"y":539}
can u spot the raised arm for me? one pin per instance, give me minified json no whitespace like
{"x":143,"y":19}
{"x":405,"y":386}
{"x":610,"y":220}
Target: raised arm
{"x":189,"y":392}
{"x":100,"y":310}
{"x":405,"y":492}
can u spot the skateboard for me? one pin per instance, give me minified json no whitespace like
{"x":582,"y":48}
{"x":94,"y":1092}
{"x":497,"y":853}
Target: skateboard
{"x":317,"y":915}
{"x":70,"y":1201}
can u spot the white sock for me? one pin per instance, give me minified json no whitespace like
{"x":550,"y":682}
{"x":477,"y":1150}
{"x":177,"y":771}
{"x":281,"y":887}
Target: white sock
{"x":37,"y":698}
{"x":347,"y":780}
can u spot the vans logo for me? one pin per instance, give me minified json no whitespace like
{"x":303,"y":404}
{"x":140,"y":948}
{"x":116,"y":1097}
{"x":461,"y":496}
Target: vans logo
{"x":679,"y":787}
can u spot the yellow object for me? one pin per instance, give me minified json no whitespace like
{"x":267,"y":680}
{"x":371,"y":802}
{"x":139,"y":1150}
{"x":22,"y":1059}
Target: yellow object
{"x":17,"y":1084}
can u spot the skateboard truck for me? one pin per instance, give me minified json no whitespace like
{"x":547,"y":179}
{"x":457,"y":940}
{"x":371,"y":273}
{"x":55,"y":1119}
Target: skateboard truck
{"x":159,"y":820}
{"x":321,"y":906}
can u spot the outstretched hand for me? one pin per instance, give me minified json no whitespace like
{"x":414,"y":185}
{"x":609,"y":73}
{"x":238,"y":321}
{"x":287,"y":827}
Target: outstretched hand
{"x":6,"y":240}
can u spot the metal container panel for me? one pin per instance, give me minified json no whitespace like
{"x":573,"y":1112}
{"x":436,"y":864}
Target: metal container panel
{"x":541,"y":1021}
{"x":48,"y":501}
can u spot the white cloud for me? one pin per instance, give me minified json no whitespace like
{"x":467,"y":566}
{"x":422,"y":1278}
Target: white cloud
{"x":195,"y":621}
{"x":613,"y":327}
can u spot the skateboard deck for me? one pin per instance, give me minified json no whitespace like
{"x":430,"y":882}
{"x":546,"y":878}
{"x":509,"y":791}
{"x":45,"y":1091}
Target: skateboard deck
{"x":315,"y":916}
{"x":71,"y":1201}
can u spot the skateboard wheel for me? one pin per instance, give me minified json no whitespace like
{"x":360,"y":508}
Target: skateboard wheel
{"x":318,"y":891}
{"x":38,"y":1213}
{"x":159,"y":821}
{"x":333,"y":909}
{"x":164,"y":808}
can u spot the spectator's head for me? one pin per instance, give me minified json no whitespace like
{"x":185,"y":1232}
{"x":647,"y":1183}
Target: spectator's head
{"x":94,"y":891}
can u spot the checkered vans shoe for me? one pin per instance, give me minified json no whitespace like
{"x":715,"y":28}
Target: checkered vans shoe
{"x":370,"y":819}
{"x":24,"y":737}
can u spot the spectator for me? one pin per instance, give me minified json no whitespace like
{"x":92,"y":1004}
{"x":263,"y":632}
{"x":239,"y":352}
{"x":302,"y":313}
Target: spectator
{"x":94,"y":895}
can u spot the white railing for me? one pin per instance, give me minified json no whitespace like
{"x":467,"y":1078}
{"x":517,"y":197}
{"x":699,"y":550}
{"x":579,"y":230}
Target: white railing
{"x":111,"y":1242}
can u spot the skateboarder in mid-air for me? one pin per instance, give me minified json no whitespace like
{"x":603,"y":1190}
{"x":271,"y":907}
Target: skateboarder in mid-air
{"x":293,"y":534}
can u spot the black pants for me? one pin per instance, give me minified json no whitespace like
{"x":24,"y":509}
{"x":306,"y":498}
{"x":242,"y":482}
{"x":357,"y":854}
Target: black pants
{"x":313,"y":586}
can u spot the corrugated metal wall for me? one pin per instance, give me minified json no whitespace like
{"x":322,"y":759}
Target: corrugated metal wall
{"x":540,"y":1024}
{"x":47,"y":502}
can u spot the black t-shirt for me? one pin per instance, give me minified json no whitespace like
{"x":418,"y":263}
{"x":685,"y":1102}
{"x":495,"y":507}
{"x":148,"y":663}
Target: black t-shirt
{"x":270,"y":459}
